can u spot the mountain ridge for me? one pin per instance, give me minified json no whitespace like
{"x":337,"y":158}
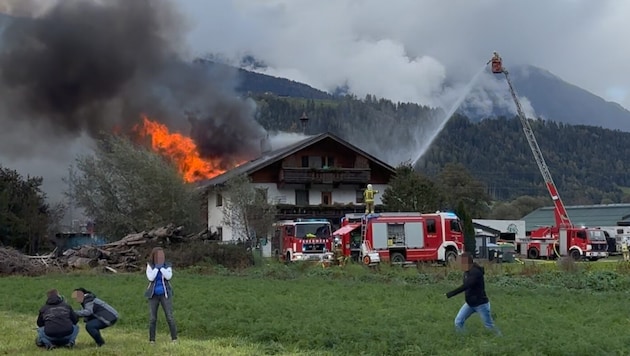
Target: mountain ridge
{"x":551,"y":97}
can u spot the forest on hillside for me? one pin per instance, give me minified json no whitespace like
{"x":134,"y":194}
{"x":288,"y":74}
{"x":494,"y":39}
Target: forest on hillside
{"x":589,"y":164}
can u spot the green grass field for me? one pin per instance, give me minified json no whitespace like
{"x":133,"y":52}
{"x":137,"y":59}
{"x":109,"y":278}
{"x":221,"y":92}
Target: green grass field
{"x":275,"y":309}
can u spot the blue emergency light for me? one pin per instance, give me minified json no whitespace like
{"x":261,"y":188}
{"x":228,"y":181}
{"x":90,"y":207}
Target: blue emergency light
{"x":311,"y":220}
{"x":450,"y":214}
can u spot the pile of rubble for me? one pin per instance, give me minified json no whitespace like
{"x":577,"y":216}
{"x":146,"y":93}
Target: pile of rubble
{"x":122,"y":255}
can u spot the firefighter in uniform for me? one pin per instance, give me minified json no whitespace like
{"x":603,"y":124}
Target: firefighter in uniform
{"x":368,"y":196}
{"x":497,"y":66}
{"x":338,"y":250}
{"x":624,"y":249}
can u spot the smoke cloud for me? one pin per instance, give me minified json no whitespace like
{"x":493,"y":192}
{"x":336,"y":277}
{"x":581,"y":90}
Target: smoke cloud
{"x":88,"y":66}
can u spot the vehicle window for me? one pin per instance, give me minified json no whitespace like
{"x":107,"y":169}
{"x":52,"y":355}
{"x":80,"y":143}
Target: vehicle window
{"x":431,"y":226}
{"x":313,"y":230}
{"x":455,"y":226}
{"x":290,"y":230}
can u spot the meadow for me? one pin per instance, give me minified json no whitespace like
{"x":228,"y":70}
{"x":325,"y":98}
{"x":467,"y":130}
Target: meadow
{"x":273,"y":309}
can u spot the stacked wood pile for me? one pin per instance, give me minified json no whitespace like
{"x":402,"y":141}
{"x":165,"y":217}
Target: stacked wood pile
{"x":123,"y":255}
{"x":14,"y":262}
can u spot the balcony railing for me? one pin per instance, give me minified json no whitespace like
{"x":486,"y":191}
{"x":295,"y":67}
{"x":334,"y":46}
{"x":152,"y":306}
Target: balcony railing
{"x":325,"y":176}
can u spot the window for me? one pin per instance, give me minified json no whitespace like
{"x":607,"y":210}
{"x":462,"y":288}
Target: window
{"x":319,"y":230}
{"x":359,"y":197}
{"x":326,"y":198}
{"x":220,"y":232}
{"x":328,"y":162}
{"x":301,"y":197}
{"x":304,"y":161}
{"x":455,"y":226}
{"x":431,"y":226}
{"x":219,"y":199}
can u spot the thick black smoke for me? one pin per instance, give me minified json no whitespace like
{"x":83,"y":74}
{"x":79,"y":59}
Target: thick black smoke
{"x":91,"y":67}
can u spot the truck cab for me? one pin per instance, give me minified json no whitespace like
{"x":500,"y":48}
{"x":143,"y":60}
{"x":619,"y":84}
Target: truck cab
{"x":303,"y":240}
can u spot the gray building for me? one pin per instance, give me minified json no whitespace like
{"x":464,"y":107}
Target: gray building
{"x":586,"y":215}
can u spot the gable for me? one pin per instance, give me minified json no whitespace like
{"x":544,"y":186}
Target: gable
{"x":267,"y":167}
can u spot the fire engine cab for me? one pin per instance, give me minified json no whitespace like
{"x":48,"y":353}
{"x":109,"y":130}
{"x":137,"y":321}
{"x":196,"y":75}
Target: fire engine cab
{"x":401,"y":237}
{"x":303,"y":240}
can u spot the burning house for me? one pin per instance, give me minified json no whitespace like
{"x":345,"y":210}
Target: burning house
{"x":321,"y":176}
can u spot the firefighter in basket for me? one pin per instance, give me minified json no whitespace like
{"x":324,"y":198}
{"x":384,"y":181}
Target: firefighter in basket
{"x":497,"y":65}
{"x":368,"y":196}
{"x":624,"y":249}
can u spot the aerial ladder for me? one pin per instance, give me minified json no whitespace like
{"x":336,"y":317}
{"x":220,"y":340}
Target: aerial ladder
{"x":560,"y":212}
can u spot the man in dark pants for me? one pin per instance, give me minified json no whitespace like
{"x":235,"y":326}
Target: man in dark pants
{"x":96,"y":313}
{"x":57,"y":323}
{"x":476,"y":299}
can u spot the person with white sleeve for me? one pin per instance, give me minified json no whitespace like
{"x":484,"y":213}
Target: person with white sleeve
{"x":159,"y":292}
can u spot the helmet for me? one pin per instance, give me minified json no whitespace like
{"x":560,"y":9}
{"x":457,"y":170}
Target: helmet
{"x":369,"y":186}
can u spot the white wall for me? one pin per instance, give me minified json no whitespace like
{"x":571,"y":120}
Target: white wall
{"x":339,"y":195}
{"x":215,"y":217}
{"x":284,"y":196}
{"x":505,"y":226}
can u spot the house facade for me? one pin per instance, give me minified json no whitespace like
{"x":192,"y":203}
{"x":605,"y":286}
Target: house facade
{"x":321,"y":177}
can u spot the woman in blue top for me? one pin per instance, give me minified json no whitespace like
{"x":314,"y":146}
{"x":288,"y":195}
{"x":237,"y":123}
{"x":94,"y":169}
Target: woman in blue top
{"x":159,"y":292}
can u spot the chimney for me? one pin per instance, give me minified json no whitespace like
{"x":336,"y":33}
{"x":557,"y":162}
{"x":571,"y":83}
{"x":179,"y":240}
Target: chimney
{"x":265,"y":145}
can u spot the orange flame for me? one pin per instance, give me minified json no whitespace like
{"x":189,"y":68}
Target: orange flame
{"x":181,"y":149}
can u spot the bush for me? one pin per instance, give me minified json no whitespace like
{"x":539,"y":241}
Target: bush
{"x":232,"y":257}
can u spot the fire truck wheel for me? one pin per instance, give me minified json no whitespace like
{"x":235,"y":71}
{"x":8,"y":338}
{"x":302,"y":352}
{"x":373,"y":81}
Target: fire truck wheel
{"x":450,"y":257}
{"x":397,"y":257}
{"x":532,"y":253}
{"x":366,"y":260}
{"x":576,"y":255}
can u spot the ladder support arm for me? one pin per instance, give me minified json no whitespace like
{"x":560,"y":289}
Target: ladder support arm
{"x":560,"y":212}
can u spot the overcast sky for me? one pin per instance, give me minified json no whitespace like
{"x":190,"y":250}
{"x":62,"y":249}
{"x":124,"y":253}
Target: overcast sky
{"x":404,"y":49}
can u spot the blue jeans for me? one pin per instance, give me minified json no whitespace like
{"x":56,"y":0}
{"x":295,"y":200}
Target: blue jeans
{"x":45,"y":340}
{"x":484,"y":312}
{"x":93,"y":327}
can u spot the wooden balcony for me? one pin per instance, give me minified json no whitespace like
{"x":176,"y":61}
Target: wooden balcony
{"x":325,"y":176}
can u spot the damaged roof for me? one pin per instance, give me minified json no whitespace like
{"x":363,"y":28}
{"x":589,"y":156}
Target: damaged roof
{"x":274,"y":156}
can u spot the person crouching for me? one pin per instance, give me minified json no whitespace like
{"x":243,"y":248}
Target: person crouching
{"x":57,"y":323}
{"x":96,"y":313}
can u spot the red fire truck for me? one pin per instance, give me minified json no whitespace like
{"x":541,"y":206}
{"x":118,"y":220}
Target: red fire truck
{"x":401,"y":237}
{"x":303,"y":240}
{"x":564,"y":238}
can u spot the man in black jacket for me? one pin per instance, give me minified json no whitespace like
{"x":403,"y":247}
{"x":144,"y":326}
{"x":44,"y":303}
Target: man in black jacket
{"x":57,"y":323}
{"x":476,"y":299}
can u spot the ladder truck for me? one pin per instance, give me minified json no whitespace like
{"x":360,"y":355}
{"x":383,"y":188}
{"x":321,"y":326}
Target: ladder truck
{"x":563,"y":239}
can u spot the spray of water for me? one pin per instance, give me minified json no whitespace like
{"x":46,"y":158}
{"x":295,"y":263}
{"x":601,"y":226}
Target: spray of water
{"x":433,"y":135}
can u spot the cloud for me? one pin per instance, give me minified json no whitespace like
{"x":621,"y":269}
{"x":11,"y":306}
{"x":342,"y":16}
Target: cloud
{"x":403,"y":49}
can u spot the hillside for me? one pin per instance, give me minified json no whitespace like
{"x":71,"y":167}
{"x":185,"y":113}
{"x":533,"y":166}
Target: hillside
{"x":494,"y":150}
{"x":552,"y":98}
{"x":555,"y":99}
{"x":257,"y":83}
